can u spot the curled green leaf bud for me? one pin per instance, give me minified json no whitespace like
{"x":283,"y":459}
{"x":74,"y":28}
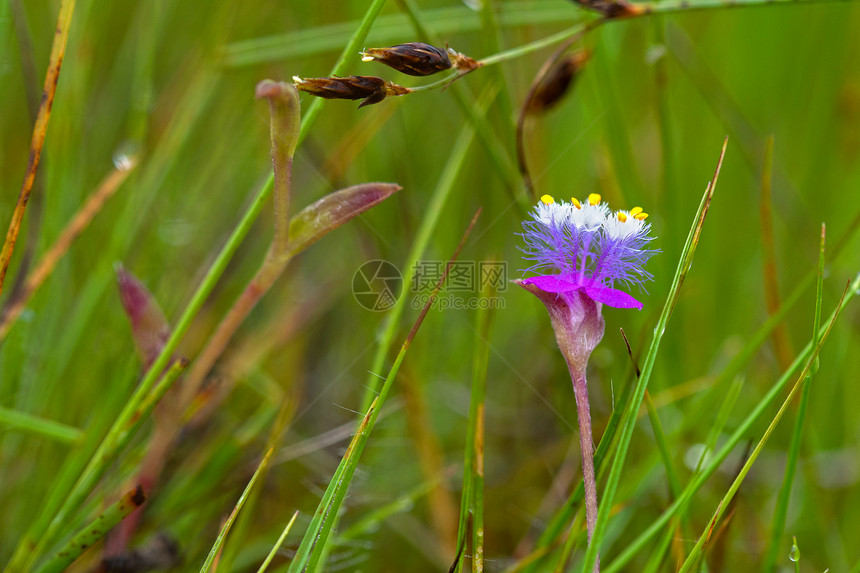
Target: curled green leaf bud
{"x":413,"y":58}
{"x":556,"y":83}
{"x":611,"y":8}
{"x":370,"y":89}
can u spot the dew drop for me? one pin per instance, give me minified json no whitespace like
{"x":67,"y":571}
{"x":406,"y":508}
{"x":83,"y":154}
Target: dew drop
{"x":695,"y":453}
{"x":794,"y":554}
{"x":177,"y":231}
{"x":125,"y":155}
{"x":654,"y":54}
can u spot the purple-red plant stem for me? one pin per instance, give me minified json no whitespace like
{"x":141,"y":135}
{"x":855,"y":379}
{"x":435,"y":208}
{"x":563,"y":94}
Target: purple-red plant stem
{"x":586,"y":445}
{"x":285,"y":121}
{"x":259,"y":285}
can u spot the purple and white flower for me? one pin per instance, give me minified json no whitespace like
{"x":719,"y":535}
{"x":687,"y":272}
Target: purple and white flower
{"x":584,"y":246}
{"x":583,"y":249}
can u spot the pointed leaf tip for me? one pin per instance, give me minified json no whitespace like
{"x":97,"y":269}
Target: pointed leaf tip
{"x":333,"y":210}
{"x":149,"y":327}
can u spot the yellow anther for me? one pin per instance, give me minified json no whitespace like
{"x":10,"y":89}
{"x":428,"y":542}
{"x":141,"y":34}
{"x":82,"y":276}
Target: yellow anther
{"x":622,"y":217}
{"x":635,"y":211}
{"x":366,"y":57}
{"x":642,"y":216}
{"x":576,"y":202}
{"x":547,"y":200}
{"x":593,"y":199}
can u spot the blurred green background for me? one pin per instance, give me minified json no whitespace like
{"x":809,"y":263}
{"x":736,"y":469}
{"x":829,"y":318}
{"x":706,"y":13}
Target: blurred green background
{"x":173,"y":84}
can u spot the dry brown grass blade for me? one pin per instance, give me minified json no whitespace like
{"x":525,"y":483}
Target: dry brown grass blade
{"x":58,"y":51}
{"x":781,"y":340}
{"x":52,"y":256}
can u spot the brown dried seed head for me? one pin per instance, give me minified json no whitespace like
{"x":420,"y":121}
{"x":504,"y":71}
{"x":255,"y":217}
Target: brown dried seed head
{"x":413,"y":58}
{"x":557,"y":82}
{"x":352,"y":87}
{"x":368,"y":88}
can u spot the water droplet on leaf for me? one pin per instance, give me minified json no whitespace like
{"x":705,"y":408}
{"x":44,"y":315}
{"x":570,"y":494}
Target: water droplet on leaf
{"x":794,"y":554}
{"x":125,"y":155}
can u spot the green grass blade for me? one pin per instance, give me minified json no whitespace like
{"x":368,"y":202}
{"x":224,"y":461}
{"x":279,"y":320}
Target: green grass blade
{"x":118,"y":437}
{"x":225,"y":529}
{"x":778,"y":523}
{"x":432,"y":215}
{"x":656,"y":559}
{"x":39,"y":426}
{"x":472,"y":502}
{"x":644,"y":539}
{"x":98,"y":463}
{"x":684,"y":265}
{"x":315,"y":543}
{"x":716,"y":430}
{"x":276,"y":433}
{"x":663,"y":447}
{"x":389,"y":29}
{"x":698,"y":549}
{"x":94,"y":531}
{"x":277,"y":545}
{"x":498,"y":154}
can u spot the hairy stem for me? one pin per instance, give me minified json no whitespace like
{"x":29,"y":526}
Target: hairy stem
{"x":586,"y":445}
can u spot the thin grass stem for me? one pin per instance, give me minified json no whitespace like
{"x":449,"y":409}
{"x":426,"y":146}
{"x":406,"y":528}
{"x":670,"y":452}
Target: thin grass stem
{"x":44,"y":528}
{"x":39,"y":426}
{"x":277,"y":546}
{"x":698,"y":549}
{"x":40,"y":130}
{"x":225,"y":529}
{"x":315,"y":543}
{"x":684,"y":265}
{"x":784,"y":496}
{"x":432,"y":215}
{"x":94,"y":531}
{"x":644,"y":538}
{"x":91,"y":207}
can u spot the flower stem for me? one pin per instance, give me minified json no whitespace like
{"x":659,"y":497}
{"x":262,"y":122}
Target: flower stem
{"x":270,"y":270}
{"x":586,"y":445}
{"x":285,"y":126}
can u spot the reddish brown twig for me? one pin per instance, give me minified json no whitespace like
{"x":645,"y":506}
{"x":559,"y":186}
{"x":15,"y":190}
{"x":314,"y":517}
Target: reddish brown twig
{"x":52,"y":256}
{"x":40,"y":129}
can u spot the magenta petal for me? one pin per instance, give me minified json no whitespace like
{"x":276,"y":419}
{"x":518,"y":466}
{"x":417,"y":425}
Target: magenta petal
{"x":551,"y":283}
{"x":612,"y":297}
